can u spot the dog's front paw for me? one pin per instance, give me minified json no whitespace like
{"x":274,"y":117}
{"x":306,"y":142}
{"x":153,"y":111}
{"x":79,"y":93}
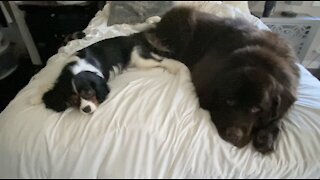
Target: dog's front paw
{"x":153,"y":19}
{"x":171,"y":66}
{"x":264,"y":138}
{"x":263,"y":141}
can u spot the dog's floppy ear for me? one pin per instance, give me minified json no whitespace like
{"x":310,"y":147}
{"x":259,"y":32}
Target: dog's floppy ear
{"x":53,"y":99}
{"x":282,"y":101}
{"x":102,"y":90}
{"x":57,"y":98}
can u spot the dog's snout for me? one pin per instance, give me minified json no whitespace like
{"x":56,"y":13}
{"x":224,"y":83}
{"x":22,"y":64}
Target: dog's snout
{"x":86,"y":109}
{"x":234,"y":134}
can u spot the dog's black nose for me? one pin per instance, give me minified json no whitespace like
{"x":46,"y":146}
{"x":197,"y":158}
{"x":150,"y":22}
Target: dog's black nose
{"x":86,"y":109}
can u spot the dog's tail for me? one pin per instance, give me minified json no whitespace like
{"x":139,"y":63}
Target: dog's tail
{"x":73,"y":36}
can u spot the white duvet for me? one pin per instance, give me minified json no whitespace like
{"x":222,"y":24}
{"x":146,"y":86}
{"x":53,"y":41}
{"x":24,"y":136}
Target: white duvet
{"x":151,"y":126}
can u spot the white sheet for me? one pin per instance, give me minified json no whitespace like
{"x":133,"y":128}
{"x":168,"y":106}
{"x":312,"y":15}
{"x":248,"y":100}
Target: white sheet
{"x":151,"y":126}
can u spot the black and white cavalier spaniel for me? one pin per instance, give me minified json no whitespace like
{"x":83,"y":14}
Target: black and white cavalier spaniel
{"x":83,"y":83}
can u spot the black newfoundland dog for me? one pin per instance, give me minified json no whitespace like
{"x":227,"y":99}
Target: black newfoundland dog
{"x":247,"y":78}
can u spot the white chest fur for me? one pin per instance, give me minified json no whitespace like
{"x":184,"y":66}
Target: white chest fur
{"x":83,"y":65}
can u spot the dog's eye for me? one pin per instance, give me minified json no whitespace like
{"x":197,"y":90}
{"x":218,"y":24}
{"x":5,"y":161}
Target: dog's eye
{"x":230,"y":102}
{"x":90,"y":93}
{"x":74,"y":100}
{"x":87,"y":94}
{"x":254,"y":109}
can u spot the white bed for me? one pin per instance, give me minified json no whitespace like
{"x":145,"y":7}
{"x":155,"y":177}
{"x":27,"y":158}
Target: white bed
{"x":151,"y":126}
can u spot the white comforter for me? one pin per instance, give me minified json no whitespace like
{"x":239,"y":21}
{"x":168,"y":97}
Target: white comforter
{"x":151,"y":126}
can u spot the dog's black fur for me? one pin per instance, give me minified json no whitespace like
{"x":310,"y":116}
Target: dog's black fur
{"x":88,"y":85}
{"x":247,"y":78}
{"x":104,"y":56}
